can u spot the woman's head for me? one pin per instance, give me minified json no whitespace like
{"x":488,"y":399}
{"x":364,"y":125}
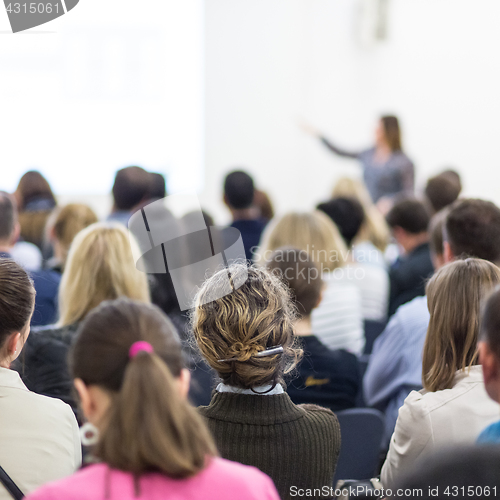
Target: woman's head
{"x":234,"y":330}
{"x":100,"y":266}
{"x":454,"y":297}
{"x":33,"y":186}
{"x":313,"y":232}
{"x":388,"y":132}
{"x":128,"y":369}
{"x":68,"y":222}
{"x":17,"y":299}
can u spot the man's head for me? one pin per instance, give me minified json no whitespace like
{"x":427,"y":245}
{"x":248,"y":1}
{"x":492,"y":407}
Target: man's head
{"x":238,"y":190}
{"x":9,"y":227}
{"x":489,"y":345}
{"x":472,"y":229}
{"x":409,"y":220}
{"x":132,"y":185}
{"x":347,"y":214}
{"x":442,"y":190}
{"x":302,"y":276}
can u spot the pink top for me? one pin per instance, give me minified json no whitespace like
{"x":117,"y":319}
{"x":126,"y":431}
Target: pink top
{"x":220,"y":480}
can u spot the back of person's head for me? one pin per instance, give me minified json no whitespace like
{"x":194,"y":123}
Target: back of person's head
{"x":17,"y":298}
{"x":239,"y":190}
{"x":100,"y":266}
{"x":392,"y":131}
{"x":8,"y":218}
{"x":347,"y":214}
{"x":233,"y":331}
{"x":132,"y":351}
{"x":158,"y":186}
{"x":490,"y":322}
{"x":463,"y":472}
{"x":473,"y":229}
{"x":33,"y":186}
{"x":374,"y":227}
{"x":69,"y":221}
{"x":313,"y":232}
{"x":454,"y":297}
{"x":410,"y":215}
{"x":436,"y":240}
{"x":442,"y":190}
{"x":296,"y":269}
{"x":262,"y":201}
{"x":132,"y":185}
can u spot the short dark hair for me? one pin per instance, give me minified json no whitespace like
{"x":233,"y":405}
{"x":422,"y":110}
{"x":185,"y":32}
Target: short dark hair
{"x":239,"y":189}
{"x":441,"y":191}
{"x":301,"y":274}
{"x":8,"y":216}
{"x":132,"y":185}
{"x":347,"y":214}
{"x":409,"y":214}
{"x":473,"y":229}
{"x":474,"y":467}
{"x":158,"y":186}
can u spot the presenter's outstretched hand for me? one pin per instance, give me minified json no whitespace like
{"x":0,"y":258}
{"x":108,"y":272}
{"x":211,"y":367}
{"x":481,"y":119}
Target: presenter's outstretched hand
{"x":307,"y":128}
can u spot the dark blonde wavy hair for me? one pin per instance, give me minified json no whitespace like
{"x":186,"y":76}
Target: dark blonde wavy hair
{"x":454,"y":296}
{"x":252,"y":318}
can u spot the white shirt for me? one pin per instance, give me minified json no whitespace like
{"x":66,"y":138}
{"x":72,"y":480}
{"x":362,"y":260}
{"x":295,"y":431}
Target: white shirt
{"x":39,"y":436}
{"x":429,"y":421}
{"x":338,"y":320}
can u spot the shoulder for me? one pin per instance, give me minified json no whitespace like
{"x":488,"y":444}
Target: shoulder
{"x":320,"y":418}
{"x":52,"y":411}
{"x":79,"y":486}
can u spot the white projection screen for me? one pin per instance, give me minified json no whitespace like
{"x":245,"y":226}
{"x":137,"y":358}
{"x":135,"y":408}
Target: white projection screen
{"x":111,"y":83}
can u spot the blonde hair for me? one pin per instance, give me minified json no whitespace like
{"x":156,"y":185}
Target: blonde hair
{"x":100,"y":267}
{"x":374,"y":227}
{"x":231,"y":330}
{"x":454,"y":297}
{"x":313,"y":232}
{"x":69,"y":221}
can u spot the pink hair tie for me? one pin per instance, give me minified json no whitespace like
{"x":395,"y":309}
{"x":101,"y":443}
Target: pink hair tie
{"x":139,"y":346}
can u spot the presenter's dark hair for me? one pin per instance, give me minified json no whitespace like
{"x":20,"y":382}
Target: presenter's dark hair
{"x":392,"y":131}
{"x":239,"y":189}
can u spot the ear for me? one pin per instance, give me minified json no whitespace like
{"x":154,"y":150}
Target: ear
{"x":447,"y":253}
{"x":13,"y":346}
{"x":490,"y":368}
{"x":183,"y":382}
{"x":85,"y":398}
{"x":15,"y":233}
{"x":224,"y":199}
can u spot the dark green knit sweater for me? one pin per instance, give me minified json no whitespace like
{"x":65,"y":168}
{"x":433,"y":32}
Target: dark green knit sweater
{"x":295,"y":445}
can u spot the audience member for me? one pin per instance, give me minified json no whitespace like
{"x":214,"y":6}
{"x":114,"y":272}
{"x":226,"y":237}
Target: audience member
{"x":38,"y":435}
{"x":239,"y":195}
{"x":395,"y":365}
{"x":408,"y":220}
{"x":324,"y":377}
{"x":68,"y":221}
{"x":489,"y":357}
{"x":158,"y":187}
{"x":132,"y":187}
{"x":149,"y":441}
{"x":463,"y":472}
{"x":247,"y":338}
{"x":453,"y":408}
{"x":35,"y":201}
{"x":100,"y":267}
{"x":262,"y":201}
{"x":338,"y":320}
{"x":373,"y":236}
{"x":442,"y":190}
{"x":372,"y":280}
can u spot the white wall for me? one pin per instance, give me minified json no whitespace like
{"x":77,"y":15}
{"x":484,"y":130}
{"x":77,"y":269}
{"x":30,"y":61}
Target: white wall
{"x":271,"y":61}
